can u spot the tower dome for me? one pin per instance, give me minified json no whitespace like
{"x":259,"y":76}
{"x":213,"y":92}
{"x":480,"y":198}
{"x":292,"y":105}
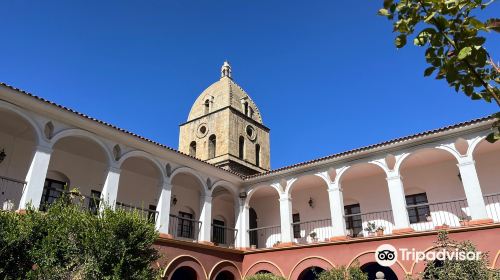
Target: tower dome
{"x":224,"y":128}
{"x":224,"y":93}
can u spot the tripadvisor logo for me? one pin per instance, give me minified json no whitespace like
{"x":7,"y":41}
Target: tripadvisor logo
{"x":387,"y":255}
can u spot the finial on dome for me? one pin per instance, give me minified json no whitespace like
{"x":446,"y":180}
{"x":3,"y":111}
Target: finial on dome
{"x":225,"y":71}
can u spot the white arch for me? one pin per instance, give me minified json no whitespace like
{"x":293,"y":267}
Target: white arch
{"x":75,"y":132}
{"x":192,"y":172}
{"x":374,"y":163}
{"x":225,"y":185}
{"x":292,"y":182}
{"x":252,"y":189}
{"x":448,"y":148}
{"x":143,"y":155}
{"x":473,"y":145}
{"x":11,"y":108}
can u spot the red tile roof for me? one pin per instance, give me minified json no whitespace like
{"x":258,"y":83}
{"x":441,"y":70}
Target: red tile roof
{"x":294,"y":166}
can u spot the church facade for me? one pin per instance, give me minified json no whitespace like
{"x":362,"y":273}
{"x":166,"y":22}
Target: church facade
{"x":223,"y":213}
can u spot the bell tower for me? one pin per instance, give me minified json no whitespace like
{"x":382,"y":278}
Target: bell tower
{"x":225,"y":128}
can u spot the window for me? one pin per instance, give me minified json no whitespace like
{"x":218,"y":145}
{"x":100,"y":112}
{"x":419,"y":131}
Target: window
{"x":353,"y":219}
{"x":246,"y":108}
{"x":207,"y":106}
{"x":192,"y":149}
{"x":94,"y":200}
{"x":218,"y":232}
{"x":152,"y":213}
{"x":257,"y":155}
{"x":241,"y":147}
{"x":296,"y":227}
{"x":417,"y":214}
{"x":52,"y":190}
{"x":185,"y":225}
{"x":212,"y":146}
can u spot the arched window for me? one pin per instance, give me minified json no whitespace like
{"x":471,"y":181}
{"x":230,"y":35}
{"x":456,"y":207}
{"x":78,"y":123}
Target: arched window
{"x":246,"y":108}
{"x":207,"y":106}
{"x":241,"y":147}
{"x":212,"y":146}
{"x":192,"y":149}
{"x":257,"y":155}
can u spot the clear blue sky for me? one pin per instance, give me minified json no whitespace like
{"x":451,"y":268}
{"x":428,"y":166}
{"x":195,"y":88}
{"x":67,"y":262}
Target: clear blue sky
{"x":325,"y":74}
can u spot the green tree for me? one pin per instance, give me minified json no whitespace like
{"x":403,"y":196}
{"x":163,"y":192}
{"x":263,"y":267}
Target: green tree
{"x":264,"y":276}
{"x":67,"y":242}
{"x":453,"y":37}
{"x":458,"y":269}
{"x":342,"y":273}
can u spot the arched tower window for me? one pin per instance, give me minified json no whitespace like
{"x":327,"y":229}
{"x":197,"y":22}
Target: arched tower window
{"x":207,"y":106}
{"x":257,"y":155}
{"x":241,"y":153}
{"x":246,"y":108}
{"x":212,"y":146}
{"x":192,"y":149}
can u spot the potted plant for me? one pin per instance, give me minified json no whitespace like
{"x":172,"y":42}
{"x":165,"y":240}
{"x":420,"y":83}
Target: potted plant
{"x":465,"y":221}
{"x":380,"y":231}
{"x":370,"y":228}
{"x":443,"y":226}
{"x":313,"y":236}
{"x":428,"y":217}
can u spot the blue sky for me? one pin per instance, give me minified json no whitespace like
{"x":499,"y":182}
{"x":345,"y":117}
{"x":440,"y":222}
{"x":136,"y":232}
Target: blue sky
{"x":325,"y":74}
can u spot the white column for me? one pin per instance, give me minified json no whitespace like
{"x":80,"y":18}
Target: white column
{"x":163,"y":219}
{"x":242,"y":239}
{"x":206,"y":218}
{"x":398,"y":201}
{"x":35,"y":179}
{"x":336,"y":199}
{"x":110,"y":189}
{"x":472,"y":189}
{"x":286,"y":218}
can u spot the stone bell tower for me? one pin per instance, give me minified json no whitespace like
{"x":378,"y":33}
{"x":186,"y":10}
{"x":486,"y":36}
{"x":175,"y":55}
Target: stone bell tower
{"x":225,"y":128}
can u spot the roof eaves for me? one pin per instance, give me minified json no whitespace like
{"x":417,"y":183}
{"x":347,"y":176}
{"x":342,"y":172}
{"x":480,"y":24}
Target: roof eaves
{"x":371,"y":147}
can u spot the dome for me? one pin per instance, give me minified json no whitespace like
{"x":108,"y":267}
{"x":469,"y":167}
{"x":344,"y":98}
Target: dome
{"x":222,"y":94}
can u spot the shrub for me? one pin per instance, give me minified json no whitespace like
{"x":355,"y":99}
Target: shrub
{"x":67,"y":242}
{"x":343,"y":273}
{"x":264,"y":276}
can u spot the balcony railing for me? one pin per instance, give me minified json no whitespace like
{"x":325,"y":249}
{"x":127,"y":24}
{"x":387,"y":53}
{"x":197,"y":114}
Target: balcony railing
{"x":492,"y":202}
{"x":429,"y":216}
{"x":265,"y":237}
{"x":223,"y":236}
{"x":312,"y":231}
{"x":50,"y":195}
{"x":366,"y":224}
{"x":11,"y":191}
{"x":184,"y":228}
{"x":149,"y":214}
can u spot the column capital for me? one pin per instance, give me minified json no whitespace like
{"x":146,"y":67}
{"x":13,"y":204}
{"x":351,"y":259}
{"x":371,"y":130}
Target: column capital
{"x":44,"y":148}
{"x":114,"y":169}
{"x":466,"y":161}
{"x":335,"y":189}
{"x":285,"y":198}
{"x":206,"y":197}
{"x":394,"y":177}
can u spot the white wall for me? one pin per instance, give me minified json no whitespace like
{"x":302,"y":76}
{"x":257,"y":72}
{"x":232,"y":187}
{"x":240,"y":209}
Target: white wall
{"x":15,"y":165}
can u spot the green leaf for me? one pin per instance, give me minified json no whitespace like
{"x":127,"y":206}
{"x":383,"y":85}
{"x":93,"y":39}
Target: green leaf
{"x":400,"y":41}
{"x":429,"y":71}
{"x":464,"y":53}
{"x":384,"y":12}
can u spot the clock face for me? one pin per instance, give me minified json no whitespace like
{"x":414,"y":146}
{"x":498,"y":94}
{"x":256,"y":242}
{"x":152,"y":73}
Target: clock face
{"x":251,"y":133}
